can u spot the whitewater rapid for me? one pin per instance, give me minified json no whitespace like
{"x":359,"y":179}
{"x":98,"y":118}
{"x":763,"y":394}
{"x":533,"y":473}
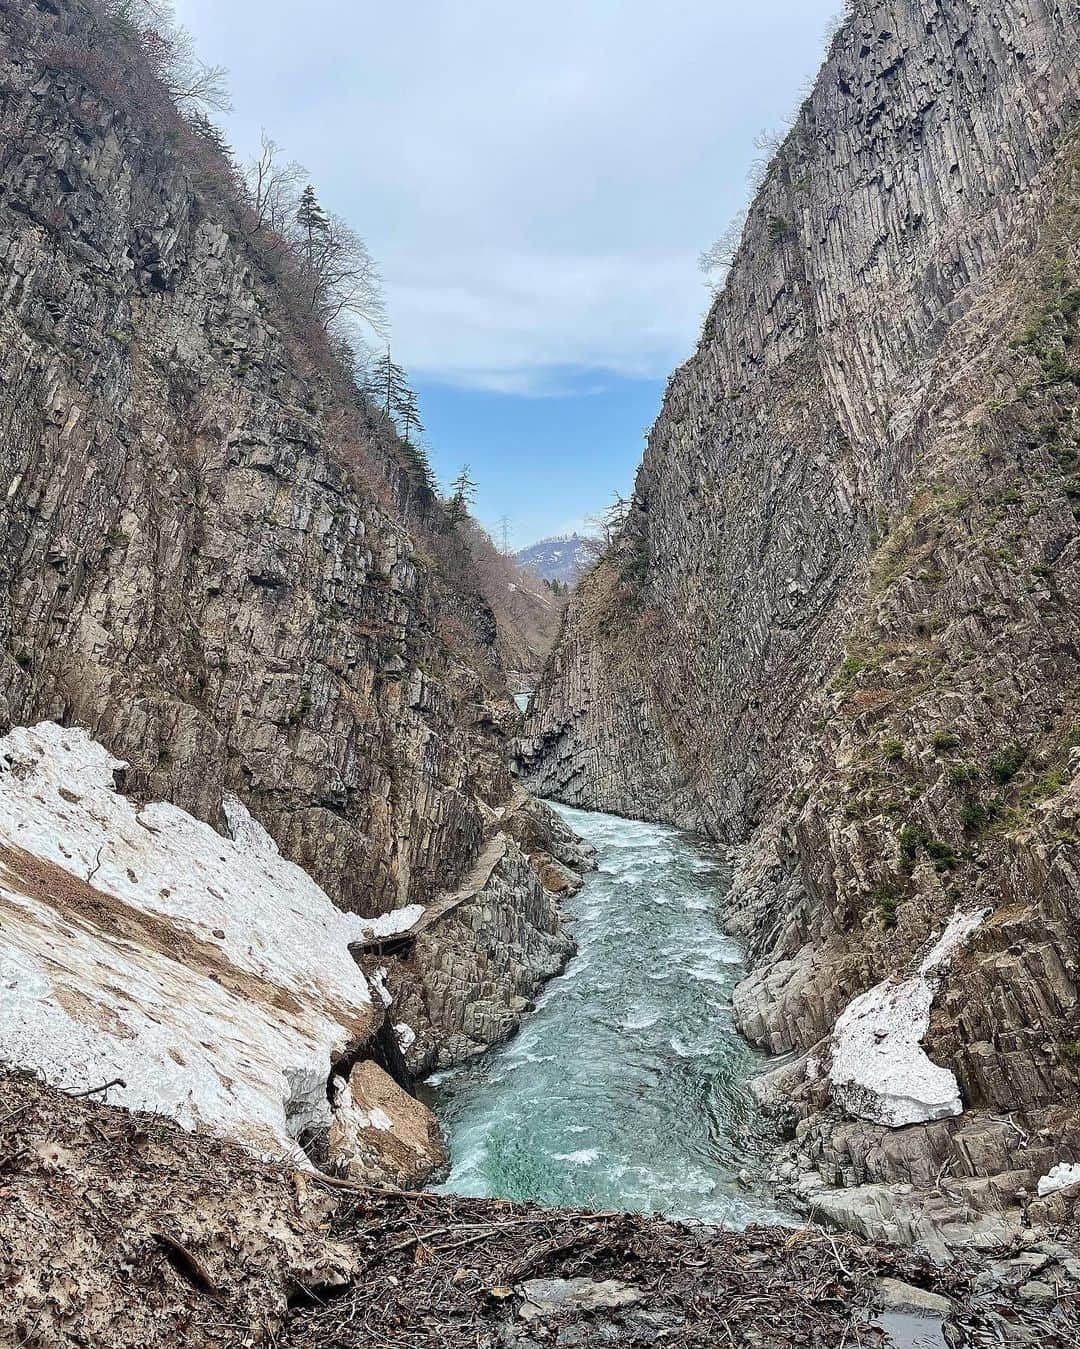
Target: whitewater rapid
{"x":627,"y":1088}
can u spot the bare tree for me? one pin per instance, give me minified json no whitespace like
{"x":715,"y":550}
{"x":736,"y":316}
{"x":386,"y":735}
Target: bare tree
{"x":169,"y":50}
{"x":608,"y":524}
{"x":347,"y":279}
{"x":836,"y":23}
{"x":341,"y":277}
{"x":716,"y":260}
{"x":274,"y":185}
{"x":767,"y":144}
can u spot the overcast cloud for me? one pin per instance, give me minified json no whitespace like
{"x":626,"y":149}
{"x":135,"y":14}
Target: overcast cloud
{"x":535,"y":180}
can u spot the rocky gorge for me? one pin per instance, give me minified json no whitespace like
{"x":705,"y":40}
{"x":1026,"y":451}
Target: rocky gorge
{"x":838,"y":629}
{"x":273,"y":846}
{"x":219,"y":562}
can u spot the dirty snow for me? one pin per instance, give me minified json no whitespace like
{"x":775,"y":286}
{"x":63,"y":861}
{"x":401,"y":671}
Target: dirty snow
{"x":220,"y":986}
{"x":880,"y":1071}
{"x":378,"y":981}
{"x":390,"y":924}
{"x":1059,"y":1177}
{"x":353,"y":1115}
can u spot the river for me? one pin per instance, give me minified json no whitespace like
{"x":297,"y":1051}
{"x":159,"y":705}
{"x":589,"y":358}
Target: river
{"x":627,"y":1087}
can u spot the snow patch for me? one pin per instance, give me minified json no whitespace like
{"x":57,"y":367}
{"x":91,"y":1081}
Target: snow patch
{"x":880,"y":1071}
{"x":1059,"y":1177}
{"x":209,"y":973}
{"x":378,"y":980}
{"x":391,"y":924}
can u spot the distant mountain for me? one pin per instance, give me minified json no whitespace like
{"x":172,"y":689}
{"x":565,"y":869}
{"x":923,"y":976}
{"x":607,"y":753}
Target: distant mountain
{"x":562,"y":559}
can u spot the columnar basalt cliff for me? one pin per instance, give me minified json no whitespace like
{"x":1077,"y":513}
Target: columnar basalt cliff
{"x":214,"y":554}
{"x":840,"y":626}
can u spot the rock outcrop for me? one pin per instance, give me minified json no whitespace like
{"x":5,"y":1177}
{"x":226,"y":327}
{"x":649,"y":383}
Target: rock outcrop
{"x":215,"y":555}
{"x":839,"y":628}
{"x":211,"y":554}
{"x":462,"y":977}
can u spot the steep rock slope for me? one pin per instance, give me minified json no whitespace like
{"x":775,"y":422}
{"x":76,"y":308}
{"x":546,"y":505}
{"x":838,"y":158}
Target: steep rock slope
{"x":528,"y":615}
{"x":841,"y":623}
{"x":214,"y":555}
{"x":207,"y":558}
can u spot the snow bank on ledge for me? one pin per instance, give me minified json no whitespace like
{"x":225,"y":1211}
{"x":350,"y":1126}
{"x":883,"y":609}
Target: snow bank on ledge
{"x":208,"y":973}
{"x":879,"y":1070}
{"x":1059,"y":1177}
{"x":391,"y":924}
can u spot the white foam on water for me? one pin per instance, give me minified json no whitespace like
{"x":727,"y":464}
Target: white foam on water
{"x":627,"y":1093}
{"x":686,"y":1051}
{"x":583,"y":1157}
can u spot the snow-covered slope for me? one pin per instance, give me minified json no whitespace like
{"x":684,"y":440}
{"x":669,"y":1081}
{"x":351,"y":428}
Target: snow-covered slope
{"x":560,"y":559}
{"x":209,"y":974}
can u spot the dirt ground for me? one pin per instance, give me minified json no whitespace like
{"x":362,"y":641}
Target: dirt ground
{"x":121,"y":1230}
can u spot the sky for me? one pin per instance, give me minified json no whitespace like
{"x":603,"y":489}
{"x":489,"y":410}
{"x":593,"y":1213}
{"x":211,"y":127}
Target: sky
{"x":536,"y":182}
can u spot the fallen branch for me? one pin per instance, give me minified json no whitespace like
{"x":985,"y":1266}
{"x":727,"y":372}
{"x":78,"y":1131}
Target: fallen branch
{"x":93,"y":1091}
{"x":187,"y":1264}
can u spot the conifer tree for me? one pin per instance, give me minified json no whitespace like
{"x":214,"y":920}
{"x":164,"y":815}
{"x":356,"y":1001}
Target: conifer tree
{"x":462,"y":496}
{"x":312,"y":219}
{"x":419,"y":465}
{"x":405,"y":406}
{"x":208,"y":131}
{"x":388,"y":384}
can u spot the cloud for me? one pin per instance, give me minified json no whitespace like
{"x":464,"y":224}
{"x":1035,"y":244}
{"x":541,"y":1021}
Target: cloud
{"x":523,"y":322}
{"x":537,"y":180}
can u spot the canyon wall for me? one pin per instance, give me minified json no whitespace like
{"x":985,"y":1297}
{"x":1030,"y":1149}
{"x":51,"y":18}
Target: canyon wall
{"x":839,"y":629}
{"x":215,"y":555}
{"x":207,"y":558}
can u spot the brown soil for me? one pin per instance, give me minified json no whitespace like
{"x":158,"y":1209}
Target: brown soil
{"x":121,"y":1230}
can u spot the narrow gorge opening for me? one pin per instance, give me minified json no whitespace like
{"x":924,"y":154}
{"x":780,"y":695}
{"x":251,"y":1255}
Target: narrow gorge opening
{"x":726,"y":990}
{"x":627,"y":1088}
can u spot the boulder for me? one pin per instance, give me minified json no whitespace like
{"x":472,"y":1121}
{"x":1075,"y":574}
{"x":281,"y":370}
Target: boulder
{"x":551,"y":1297}
{"x":379,"y":1132}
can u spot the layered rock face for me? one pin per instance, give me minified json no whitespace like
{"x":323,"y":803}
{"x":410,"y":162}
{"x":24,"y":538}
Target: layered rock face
{"x":209,"y":558}
{"x":215,"y":558}
{"x":463,"y":976}
{"x":840,"y":626}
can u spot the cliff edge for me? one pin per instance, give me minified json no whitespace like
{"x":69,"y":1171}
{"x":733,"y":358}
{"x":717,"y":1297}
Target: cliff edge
{"x":224,"y":579}
{"x":839,"y":629}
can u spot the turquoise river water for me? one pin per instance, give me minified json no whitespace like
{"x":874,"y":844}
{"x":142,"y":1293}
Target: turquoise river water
{"x":627,"y":1088}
